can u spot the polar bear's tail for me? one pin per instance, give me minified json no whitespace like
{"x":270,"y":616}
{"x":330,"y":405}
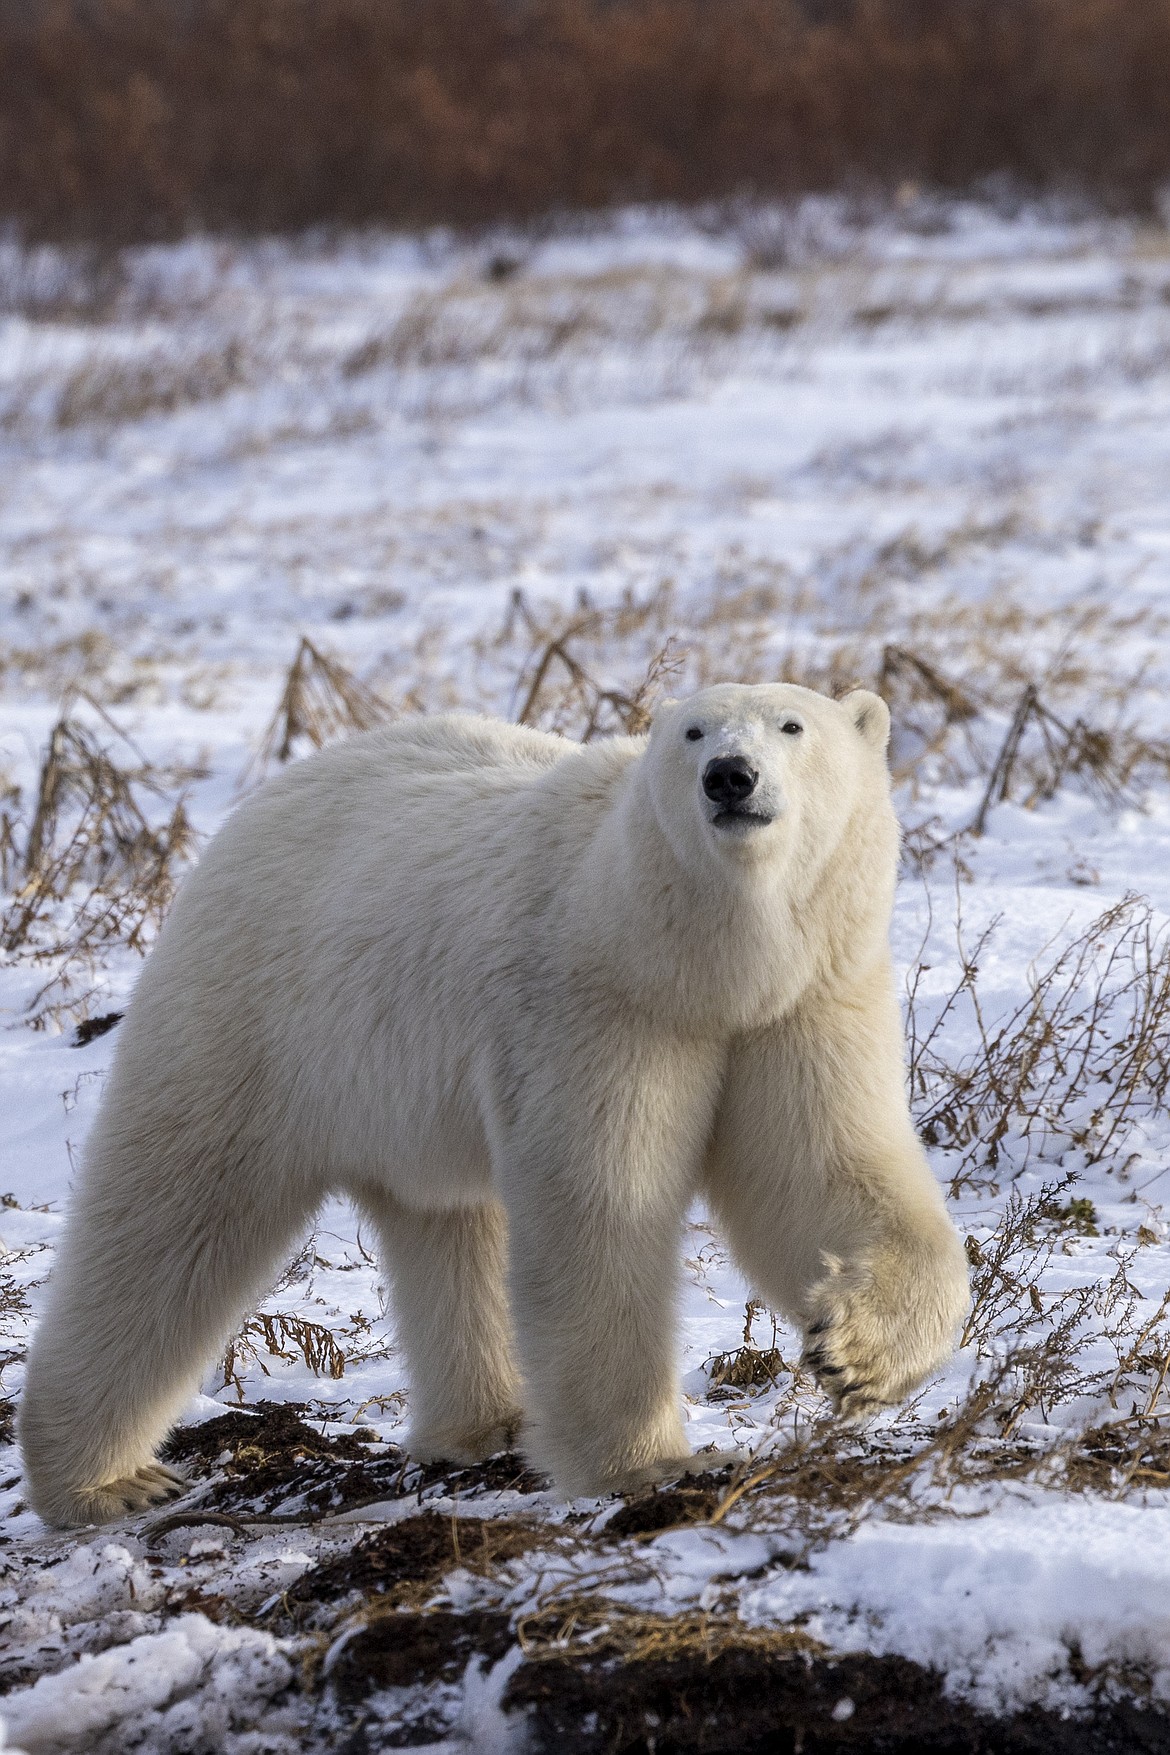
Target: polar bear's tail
{"x":166,"y":1245}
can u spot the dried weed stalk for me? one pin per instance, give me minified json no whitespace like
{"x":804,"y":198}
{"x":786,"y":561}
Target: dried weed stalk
{"x":947,"y":722}
{"x":321,"y":699}
{"x":92,"y":827}
{"x":927,"y":708}
{"x":1105,"y":761}
{"x":1080,"y":1063}
{"x":748,"y":1367}
{"x":560,"y":693}
{"x":280,"y":1336}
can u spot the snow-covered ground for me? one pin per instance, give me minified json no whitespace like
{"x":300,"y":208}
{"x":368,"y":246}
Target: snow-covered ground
{"x":928,"y":451}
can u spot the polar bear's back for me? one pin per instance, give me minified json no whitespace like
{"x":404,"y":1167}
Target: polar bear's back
{"x":343,"y":935}
{"x":395,"y":835}
{"x":450,"y":742}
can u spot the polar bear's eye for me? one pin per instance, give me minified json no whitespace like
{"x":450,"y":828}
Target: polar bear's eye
{"x":694,"y":733}
{"x":792,"y":727}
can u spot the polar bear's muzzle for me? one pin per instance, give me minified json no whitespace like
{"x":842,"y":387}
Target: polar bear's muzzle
{"x":730,"y":783}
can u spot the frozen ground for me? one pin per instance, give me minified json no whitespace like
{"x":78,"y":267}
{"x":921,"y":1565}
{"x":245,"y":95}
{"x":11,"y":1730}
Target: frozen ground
{"x":927,"y":451}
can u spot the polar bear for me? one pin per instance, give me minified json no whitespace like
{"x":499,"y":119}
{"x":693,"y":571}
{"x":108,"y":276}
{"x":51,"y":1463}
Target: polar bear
{"x":521,"y":999}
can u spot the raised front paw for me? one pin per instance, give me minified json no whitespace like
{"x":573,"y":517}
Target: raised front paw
{"x":876,"y":1328}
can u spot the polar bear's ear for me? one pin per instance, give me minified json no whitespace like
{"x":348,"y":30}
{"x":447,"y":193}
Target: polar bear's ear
{"x":870,"y":715}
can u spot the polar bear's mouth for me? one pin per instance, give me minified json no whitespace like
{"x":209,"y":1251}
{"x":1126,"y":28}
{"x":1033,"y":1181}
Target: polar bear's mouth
{"x":740,"y":817}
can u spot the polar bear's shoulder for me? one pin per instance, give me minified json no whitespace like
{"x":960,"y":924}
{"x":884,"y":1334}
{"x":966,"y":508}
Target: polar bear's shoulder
{"x":456,"y":741}
{"x":461,"y":757}
{"x":420,"y":747}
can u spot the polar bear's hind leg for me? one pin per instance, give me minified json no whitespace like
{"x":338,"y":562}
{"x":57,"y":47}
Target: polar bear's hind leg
{"x":159,"y":1262}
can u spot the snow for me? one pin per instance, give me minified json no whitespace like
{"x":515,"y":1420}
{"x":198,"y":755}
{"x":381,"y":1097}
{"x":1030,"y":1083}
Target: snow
{"x":999,"y":1608}
{"x":790,"y":439}
{"x":195,"y":1679}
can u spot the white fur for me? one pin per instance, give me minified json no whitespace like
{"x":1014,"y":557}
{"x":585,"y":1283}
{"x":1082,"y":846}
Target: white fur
{"x":521,"y":999}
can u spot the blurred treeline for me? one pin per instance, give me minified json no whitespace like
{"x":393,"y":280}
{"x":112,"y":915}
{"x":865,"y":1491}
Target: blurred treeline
{"x":129,"y":119}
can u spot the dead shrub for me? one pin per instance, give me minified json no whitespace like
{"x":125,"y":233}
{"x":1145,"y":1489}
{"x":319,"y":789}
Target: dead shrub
{"x":93,"y":829}
{"x":1079,"y":1064}
{"x":321,"y":700}
{"x":110,"y":392}
{"x":280,"y":1336}
{"x":124,"y":119}
{"x":591,"y":708}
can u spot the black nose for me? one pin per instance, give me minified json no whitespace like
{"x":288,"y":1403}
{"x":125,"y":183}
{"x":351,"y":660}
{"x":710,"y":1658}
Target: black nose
{"x":728,"y":780}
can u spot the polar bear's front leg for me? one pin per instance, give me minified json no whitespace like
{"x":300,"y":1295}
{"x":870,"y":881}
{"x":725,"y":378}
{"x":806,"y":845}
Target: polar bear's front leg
{"x":597,"y":1166}
{"x":448,"y":1286}
{"x":823,"y":1188}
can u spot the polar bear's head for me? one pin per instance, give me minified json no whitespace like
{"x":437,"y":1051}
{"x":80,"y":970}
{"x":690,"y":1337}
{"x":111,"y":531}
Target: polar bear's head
{"x":757,"y":772}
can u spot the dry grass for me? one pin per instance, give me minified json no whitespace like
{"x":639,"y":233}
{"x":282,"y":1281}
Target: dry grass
{"x":557,"y":691}
{"x":1081,"y":1063}
{"x":280,"y":1336}
{"x":121,"y":118}
{"x":321,"y":700}
{"x":536,"y":319}
{"x":584,"y":1622}
{"x":109,"y":392}
{"x":96,"y":843}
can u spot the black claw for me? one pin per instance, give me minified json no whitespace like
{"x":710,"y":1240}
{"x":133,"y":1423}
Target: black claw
{"x":819,"y":1328}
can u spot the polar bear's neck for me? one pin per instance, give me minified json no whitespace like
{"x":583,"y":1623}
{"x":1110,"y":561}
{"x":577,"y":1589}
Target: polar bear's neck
{"x":720,"y":947}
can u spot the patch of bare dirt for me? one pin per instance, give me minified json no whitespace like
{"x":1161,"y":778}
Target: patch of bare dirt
{"x":398,"y":1650}
{"x":268,"y":1462}
{"x":412,"y":1555}
{"x":752,"y":1702}
{"x":691,"y":1501}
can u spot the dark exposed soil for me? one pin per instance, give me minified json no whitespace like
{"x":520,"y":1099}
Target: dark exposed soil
{"x":751,"y":1703}
{"x":399,"y":1649}
{"x":417,"y":1551}
{"x":90,"y":1029}
{"x":278,"y":1465}
{"x":505,"y":1473}
{"x":266,"y":1431}
{"x":692,"y":1501}
{"x":744,"y":1700}
{"x":275,"y":1461}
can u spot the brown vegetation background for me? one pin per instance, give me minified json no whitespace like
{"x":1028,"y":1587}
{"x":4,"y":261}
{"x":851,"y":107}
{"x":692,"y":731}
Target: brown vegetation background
{"x":124,"y":119}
